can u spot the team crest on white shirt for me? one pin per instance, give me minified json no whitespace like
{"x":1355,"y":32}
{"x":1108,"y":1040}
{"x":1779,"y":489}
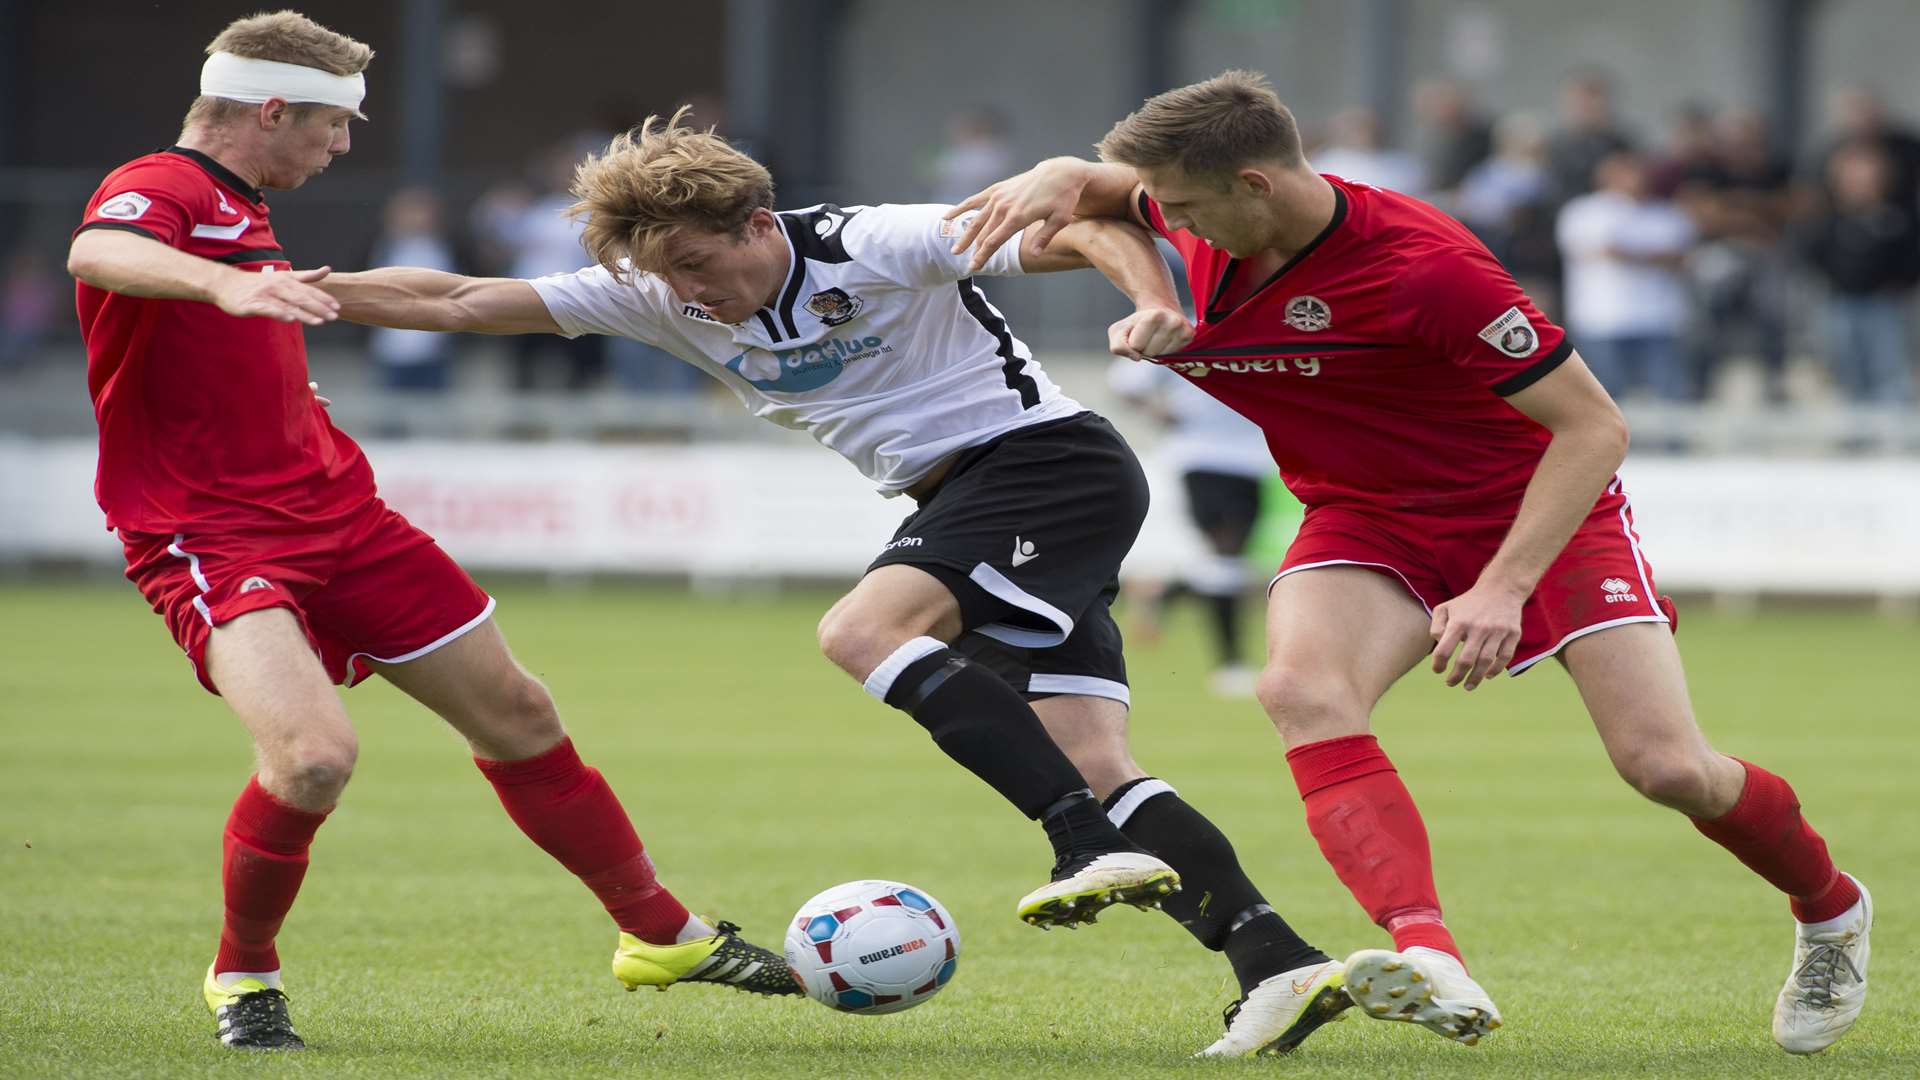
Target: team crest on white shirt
{"x":834,"y":306}
{"x":1309,"y":313}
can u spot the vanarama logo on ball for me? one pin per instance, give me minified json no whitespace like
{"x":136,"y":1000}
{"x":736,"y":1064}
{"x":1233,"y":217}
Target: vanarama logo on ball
{"x":889,"y":953}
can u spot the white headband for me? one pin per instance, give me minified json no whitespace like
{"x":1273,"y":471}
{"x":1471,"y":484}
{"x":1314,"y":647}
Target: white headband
{"x":240,"y":78}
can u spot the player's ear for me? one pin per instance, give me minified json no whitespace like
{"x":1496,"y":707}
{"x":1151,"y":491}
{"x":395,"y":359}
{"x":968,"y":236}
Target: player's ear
{"x":761,"y":222}
{"x":1255,"y":182}
{"x":272,"y":112}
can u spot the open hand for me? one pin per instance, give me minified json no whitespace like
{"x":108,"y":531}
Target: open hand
{"x":287,"y":297}
{"x":1046,"y":193}
{"x":1483,"y":623}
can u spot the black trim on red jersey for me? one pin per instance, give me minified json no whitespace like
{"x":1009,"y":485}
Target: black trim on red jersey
{"x":1011,"y":364}
{"x":1513,"y":384}
{"x":218,"y":172}
{"x":250,"y":255}
{"x":117,"y":226}
{"x":1215,"y":314}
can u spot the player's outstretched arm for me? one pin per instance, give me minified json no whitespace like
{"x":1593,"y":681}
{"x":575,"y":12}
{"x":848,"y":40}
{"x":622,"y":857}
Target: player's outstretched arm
{"x":409,"y":298}
{"x":1127,"y":256}
{"x":1052,"y":193}
{"x":135,"y":265}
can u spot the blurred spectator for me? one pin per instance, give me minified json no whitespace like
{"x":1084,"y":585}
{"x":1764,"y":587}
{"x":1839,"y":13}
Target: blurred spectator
{"x":531,"y":230}
{"x":1626,"y":298}
{"x":1740,"y":201}
{"x":30,"y":296}
{"x":412,"y":234}
{"x":1355,"y":150}
{"x":1453,"y":136}
{"x":978,"y":153}
{"x":1865,"y":245}
{"x":1588,"y":132}
{"x":1686,"y":158}
{"x":1860,"y":115}
{"x":1504,"y":200}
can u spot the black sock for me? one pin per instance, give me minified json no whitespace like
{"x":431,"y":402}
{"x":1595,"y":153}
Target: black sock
{"x":1078,"y":827}
{"x":1225,"y":612}
{"x":979,"y":721}
{"x":1216,"y":903}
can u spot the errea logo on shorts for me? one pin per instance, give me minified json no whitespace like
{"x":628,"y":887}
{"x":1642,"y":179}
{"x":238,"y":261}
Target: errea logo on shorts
{"x":1618,"y":591}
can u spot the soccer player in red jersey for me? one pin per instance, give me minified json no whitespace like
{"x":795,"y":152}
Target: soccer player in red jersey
{"x":253,"y":527}
{"x":1458,"y":465}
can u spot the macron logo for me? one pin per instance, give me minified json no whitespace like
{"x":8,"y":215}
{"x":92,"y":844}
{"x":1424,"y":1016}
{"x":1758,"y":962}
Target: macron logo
{"x":1024,"y":552}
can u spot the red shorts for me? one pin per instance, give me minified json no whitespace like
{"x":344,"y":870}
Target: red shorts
{"x":1600,"y":579}
{"x":375,"y":588}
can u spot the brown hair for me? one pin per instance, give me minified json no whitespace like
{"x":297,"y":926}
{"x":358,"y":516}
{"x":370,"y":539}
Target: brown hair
{"x":288,"y":37}
{"x":1208,"y":128}
{"x":656,"y":179}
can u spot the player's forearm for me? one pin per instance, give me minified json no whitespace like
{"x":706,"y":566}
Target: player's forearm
{"x":1573,"y":472}
{"x":1127,"y":256}
{"x":134,"y":265}
{"x":413,"y":298}
{"x":1104,"y":188}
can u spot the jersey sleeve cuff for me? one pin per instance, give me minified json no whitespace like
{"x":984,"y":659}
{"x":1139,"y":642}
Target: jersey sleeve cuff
{"x":119,"y":226}
{"x":1513,"y":384}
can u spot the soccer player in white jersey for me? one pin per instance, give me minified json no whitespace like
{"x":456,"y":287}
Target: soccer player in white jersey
{"x":985,"y":617}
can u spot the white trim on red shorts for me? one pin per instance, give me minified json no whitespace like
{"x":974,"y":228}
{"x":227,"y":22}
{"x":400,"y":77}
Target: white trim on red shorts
{"x":193,"y":568}
{"x":457,"y":632}
{"x":1351,"y":562}
{"x":1515,"y":669}
{"x":1081,"y":686}
{"x":1633,"y":542}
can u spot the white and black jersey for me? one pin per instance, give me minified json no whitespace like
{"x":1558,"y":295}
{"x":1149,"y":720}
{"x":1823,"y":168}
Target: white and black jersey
{"x":879,"y":344}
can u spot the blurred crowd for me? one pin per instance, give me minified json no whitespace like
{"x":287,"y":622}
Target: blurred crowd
{"x":1669,"y":256}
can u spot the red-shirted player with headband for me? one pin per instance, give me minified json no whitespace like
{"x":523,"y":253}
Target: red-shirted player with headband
{"x":1457,"y":461}
{"x":252,"y":525}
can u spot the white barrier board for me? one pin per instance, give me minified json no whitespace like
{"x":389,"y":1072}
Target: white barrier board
{"x":753,"y":510}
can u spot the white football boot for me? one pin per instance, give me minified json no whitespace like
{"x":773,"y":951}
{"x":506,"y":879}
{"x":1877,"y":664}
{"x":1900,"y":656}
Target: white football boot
{"x":1421,"y":986}
{"x":1828,"y":982}
{"x":1082,"y":889}
{"x":1281,"y":1011}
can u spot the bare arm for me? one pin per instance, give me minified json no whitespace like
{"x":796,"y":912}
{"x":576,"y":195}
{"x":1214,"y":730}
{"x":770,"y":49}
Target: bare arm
{"x":1127,"y":256}
{"x":134,"y":265}
{"x":408,"y":298}
{"x":1589,"y":442}
{"x":1052,"y":193}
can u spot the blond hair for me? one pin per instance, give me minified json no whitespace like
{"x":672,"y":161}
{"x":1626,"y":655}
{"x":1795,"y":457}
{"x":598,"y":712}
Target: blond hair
{"x":288,"y":37}
{"x":656,"y":179}
{"x":1207,"y":129}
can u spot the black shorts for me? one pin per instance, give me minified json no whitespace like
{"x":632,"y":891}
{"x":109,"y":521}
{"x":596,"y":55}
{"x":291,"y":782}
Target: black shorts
{"x":1225,"y":506}
{"x":1028,"y":532}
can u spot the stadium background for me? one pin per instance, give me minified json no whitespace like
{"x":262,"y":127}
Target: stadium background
{"x":661,"y":558}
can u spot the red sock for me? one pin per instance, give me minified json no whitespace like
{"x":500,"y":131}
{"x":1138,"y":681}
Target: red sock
{"x":1372,"y":836}
{"x":1766,"y":830}
{"x":265,"y":857}
{"x":568,"y":809}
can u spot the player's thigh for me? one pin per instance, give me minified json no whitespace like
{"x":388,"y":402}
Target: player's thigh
{"x":892,"y":604}
{"x":476,"y":686}
{"x":264,"y":666}
{"x":1632,"y":683}
{"x":1092,"y":732}
{"x":1337,"y":638}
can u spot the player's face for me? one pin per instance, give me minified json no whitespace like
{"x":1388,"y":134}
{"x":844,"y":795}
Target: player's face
{"x":729,"y":276}
{"x":1225,"y":214}
{"x":306,"y":141}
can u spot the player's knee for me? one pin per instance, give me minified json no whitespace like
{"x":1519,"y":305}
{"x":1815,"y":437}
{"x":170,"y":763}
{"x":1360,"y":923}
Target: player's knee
{"x":1305,"y":705}
{"x":535,"y":716}
{"x":853,"y":644}
{"x":313,"y":771}
{"x":1678,"y":780}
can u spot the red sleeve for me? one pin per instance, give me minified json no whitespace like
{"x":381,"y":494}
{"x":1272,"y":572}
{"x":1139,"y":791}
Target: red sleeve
{"x":149,"y":199}
{"x":1464,"y":306}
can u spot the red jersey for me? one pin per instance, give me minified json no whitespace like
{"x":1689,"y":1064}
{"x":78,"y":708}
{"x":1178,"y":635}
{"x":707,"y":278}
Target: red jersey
{"x":206,"y":420}
{"x":1376,"y":359}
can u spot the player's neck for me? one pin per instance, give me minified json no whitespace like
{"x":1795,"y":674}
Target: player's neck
{"x":1303,"y":206}
{"x":224,"y":149}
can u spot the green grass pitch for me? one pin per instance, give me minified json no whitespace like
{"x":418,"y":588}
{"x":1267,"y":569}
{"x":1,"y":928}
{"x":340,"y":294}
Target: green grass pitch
{"x":432,"y":939}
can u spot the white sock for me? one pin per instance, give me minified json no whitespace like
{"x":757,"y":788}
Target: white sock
{"x":227,"y":980}
{"x":1840,"y":921}
{"x":695,"y":930}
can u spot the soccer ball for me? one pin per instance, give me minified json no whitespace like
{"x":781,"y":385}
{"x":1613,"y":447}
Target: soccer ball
{"x":872,"y":947}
